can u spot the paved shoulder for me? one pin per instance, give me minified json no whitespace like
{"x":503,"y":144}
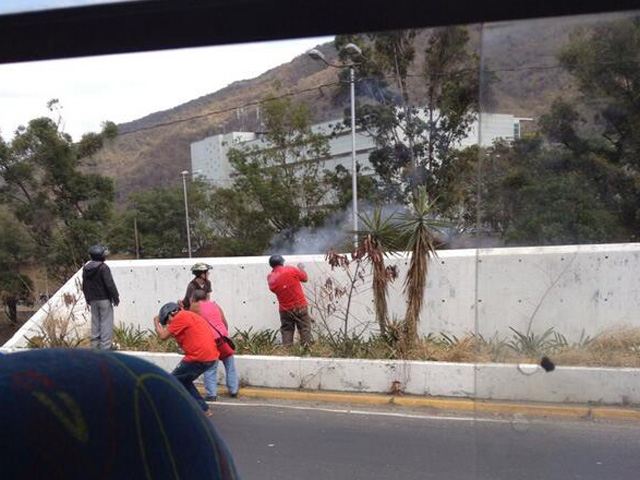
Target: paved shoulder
{"x":297,"y":442}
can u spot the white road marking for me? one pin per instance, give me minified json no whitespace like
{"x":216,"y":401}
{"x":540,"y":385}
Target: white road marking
{"x":366,"y":412}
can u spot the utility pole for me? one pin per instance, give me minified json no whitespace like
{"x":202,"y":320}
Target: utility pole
{"x":354,"y":49}
{"x":135,"y":234}
{"x":186,"y":208}
{"x":354,"y":167}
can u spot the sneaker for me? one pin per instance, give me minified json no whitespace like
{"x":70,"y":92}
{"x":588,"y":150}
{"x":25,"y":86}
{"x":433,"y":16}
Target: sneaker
{"x":208,"y":413}
{"x":234,"y":395}
{"x":211,"y":398}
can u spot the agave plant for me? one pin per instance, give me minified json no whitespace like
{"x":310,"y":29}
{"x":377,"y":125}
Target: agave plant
{"x":418,"y":229}
{"x":379,"y":237}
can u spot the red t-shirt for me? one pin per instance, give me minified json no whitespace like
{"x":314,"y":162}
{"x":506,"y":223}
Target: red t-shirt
{"x":195,"y":337}
{"x":284,"y":281}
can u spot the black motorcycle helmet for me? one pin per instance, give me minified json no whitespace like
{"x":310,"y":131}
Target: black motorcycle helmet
{"x":166,"y":310}
{"x":276,"y":260}
{"x":98,"y":253}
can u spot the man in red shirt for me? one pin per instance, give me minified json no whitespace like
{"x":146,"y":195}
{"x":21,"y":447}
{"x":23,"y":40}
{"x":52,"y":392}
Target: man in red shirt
{"x":285,"y":282}
{"x":196,"y":338}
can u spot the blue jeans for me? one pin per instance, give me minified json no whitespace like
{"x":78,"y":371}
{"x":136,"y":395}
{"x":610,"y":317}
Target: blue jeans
{"x":211,"y":377}
{"x":187,"y":372}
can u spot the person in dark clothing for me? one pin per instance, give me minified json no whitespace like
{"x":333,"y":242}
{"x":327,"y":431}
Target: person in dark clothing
{"x":200,"y":282}
{"x":101,"y":295}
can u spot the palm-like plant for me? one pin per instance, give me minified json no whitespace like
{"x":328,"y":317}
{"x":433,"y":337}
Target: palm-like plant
{"x":417,"y":227}
{"x":379,"y":237}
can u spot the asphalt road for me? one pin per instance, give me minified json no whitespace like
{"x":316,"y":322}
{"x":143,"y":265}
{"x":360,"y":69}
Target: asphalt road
{"x":293,"y":442}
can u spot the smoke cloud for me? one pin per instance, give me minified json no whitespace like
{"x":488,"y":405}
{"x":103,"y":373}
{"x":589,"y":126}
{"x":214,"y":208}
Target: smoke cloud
{"x":335,"y":233}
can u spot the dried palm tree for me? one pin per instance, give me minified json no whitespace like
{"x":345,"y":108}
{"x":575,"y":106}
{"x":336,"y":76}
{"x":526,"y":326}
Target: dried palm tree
{"x":378,"y":239}
{"x":418,"y":228}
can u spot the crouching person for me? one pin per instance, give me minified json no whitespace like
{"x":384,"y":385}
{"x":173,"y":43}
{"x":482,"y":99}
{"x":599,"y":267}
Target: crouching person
{"x":196,"y":338}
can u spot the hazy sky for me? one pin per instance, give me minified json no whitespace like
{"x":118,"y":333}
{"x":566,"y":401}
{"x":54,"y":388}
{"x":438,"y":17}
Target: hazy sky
{"x":125,"y":87}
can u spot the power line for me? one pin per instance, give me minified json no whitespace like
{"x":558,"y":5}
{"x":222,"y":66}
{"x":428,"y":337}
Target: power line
{"x":229,"y":109}
{"x":257,"y":103}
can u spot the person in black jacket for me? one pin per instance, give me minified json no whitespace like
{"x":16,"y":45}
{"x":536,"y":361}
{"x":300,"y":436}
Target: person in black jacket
{"x":101,"y":295}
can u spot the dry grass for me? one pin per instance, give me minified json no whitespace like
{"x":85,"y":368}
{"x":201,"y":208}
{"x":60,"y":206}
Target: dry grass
{"x":619,"y":348}
{"x":58,"y":332}
{"x":612,"y":349}
{"x":615,"y":348}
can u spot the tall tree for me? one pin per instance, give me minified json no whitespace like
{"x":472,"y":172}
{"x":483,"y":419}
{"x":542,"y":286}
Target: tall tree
{"x":414,"y":135}
{"x":533,"y":193}
{"x":605,"y":63}
{"x":159,"y":216}
{"x":63,"y":209}
{"x":280,"y":177}
{"x":603,"y":138}
{"x":578,"y":180}
{"x":16,"y":249}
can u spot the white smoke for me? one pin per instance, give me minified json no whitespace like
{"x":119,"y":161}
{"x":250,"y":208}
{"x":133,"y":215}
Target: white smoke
{"x":335,"y":233}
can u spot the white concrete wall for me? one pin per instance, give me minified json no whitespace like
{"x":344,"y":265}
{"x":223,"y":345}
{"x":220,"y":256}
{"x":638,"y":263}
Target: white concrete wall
{"x":589,"y":288}
{"x":575,"y":289}
{"x":66,"y":304}
{"x":608,"y":386}
{"x":510,"y":382}
{"x":494,"y":126}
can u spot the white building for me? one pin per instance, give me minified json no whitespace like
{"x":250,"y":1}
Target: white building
{"x":210,"y":161}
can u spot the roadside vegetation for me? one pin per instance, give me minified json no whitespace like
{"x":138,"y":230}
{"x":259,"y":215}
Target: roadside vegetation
{"x":616,"y":348}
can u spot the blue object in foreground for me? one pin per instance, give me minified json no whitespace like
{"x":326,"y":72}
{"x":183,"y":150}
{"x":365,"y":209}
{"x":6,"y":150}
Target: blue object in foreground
{"x":79,"y":414}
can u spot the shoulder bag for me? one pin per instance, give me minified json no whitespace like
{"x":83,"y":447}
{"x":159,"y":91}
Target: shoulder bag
{"x":225,"y":345}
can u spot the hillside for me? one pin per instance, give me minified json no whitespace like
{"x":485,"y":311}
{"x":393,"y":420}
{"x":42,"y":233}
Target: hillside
{"x":146,"y":155}
{"x":521,"y":56}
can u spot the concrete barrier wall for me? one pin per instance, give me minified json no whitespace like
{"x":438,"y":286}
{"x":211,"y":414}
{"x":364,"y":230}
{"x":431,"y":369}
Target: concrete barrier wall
{"x":67,"y":305}
{"x":575,"y":289}
{"x":607,"y":386}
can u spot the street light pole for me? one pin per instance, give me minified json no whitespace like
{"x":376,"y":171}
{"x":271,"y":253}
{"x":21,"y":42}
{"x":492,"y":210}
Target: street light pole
{"x":354,"y":174}
{"x":186,"y":208}
{"x":354,"y":49}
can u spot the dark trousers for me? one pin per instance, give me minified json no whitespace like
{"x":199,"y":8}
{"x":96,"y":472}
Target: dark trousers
{"x":291,"y":319}
{"x":186,"y":373}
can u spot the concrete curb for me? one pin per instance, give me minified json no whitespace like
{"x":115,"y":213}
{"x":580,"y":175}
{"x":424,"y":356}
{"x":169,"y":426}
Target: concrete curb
{"x":509,"y":383}
{"x":447,"y":404}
